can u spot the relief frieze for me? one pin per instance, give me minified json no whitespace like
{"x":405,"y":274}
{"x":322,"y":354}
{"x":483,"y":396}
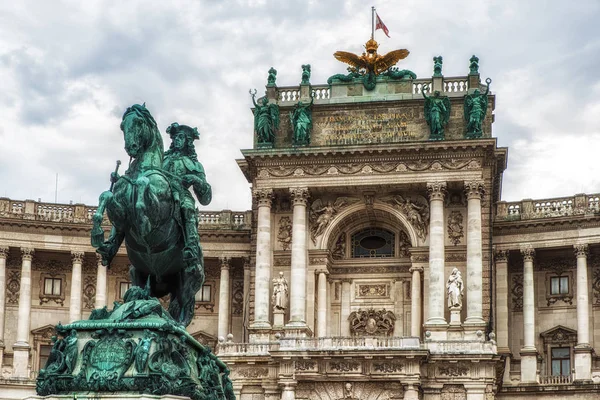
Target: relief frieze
{"x":344,"y":366}
{"x":371,"y":291}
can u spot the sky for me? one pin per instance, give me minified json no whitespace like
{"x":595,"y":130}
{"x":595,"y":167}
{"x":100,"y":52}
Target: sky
{"x":69,"y":69}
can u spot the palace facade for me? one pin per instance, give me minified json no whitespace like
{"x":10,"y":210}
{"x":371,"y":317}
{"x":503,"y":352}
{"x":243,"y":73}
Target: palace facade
{"x":375,"y":263}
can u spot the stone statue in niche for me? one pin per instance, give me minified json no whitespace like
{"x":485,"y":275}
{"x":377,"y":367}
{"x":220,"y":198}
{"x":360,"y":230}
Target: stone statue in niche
{"x":339,"y":251}
{"x":475,"y":110}
{"x":455,"y":289}
{"x":280,"y":293}
{"x":284,"y":236}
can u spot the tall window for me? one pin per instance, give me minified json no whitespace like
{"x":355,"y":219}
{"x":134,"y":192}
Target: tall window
{"x":124,"y":287}
{"x":559,"y":285}
{"x":373,"y":242}
{"x":52,"y":286}
{"x":44,"y":353}
{"x":561,"y":361}
{"x":203,"y":294}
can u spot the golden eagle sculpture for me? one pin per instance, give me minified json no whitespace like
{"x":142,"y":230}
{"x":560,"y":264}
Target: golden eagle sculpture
{"x":370,"y":64}
{"x":371,"y":61}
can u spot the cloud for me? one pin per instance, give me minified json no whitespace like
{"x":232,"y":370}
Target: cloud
{"x":69,"y":70}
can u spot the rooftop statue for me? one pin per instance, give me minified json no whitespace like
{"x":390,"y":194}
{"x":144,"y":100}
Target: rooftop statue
{"x":301,"y":120}
{"x":152,"y":210}
{"x":437,"y":65}
{"x":474,"y":65}
{"x":305,"y":74}
{"x":272,"y":77}
{"x":475,"y":110}
{"x":437,"y":113}
{"x":370,"y":64}
{"x":266,"y":120}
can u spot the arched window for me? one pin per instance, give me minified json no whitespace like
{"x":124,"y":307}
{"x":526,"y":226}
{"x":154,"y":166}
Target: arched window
{"x":373,"y":242}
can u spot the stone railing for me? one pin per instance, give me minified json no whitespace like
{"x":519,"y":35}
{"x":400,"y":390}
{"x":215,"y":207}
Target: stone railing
{"x":580,"y":204}
{"x":321,"y":344}
{"x":461,"y":347}
{"x":291,"y":94}
{"x":82,"y":214}
{"x":556,"y":379}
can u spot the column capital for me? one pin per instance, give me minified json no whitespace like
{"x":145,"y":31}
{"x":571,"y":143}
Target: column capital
{"x":225,"y":262}
{"x":581,"y":250}
{"x":263,"y":197}
{"x":346,"y":280}
{"x":528,"y":252}
{"x":246,"y":261}
{"x":501,"y":255}
{"x":436,"y":190}
{"x":416,"y":268}
{"x":474,"y":189}
{"x":27,"y":253}
{"x":77,"y":256}
{"x":321,"y":271}
{"x":99,"y":258}
{"x":3,"y":252}
{"x":299,"y":195}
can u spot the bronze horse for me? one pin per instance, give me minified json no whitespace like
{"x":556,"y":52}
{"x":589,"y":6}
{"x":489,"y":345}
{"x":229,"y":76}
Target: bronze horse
{"x":145,"y":211}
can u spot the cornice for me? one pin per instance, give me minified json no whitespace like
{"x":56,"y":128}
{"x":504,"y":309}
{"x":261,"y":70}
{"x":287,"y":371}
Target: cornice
{"x":545,"y":225}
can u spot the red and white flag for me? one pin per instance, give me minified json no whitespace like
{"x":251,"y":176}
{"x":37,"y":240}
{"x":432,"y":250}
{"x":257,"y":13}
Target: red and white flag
{"x":380,"y":25}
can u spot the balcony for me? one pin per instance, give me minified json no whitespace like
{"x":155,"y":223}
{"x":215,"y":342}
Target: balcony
{"x":528,"y":209}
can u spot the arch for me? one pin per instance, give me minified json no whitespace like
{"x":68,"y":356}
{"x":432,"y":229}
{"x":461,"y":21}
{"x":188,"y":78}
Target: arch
{"x":324,"y":242}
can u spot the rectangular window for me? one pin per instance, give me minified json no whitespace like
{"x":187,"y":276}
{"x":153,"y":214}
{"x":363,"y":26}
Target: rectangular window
{"x":559,"y":285}
{"x":124,"y":287}
{"x":204,"y":293}
{"x":561,"y":361}
{"x":44,"y":353}
{"x":52,"y":286}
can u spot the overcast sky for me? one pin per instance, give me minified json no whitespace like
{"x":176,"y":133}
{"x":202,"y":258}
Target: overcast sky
{"x":69,"y":69}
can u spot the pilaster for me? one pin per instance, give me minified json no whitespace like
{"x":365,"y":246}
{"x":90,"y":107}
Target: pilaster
{"x":474,"y":191}
{"x":21,"y":348}
{"x":583,"y":350}
{"x":224,"y":298}
{"x":262,"y":278}
{"x":528,"y":352}
{"x":75,"y":300}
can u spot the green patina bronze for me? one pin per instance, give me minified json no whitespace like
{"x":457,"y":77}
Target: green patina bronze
{"x":399,"y":74}
{"x":475,"y":110}
{"x":301,"y":120}
{"x":266,"y":120}
{"x":138,"y":346}
{"x":349,"y":77}
{"x":437,"y":113}
{"x":272,"y":77}
{"x":437,"y":66}
{"x":474,"y":65}
{"x":305,"y":74}
{"x":152,"y":210}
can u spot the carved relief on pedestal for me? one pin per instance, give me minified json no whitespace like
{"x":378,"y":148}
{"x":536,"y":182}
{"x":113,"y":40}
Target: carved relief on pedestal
{"x":517,"y":292}
{"x":372,"y":322}
{"x":455,"y":227}
{"x":322,"y":213}
{"x":284,"y":236}
{"x":416,"y":212}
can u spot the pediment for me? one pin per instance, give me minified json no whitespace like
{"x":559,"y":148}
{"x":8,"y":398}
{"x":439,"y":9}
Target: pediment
{"x":44,"y":332}
{"x":559,"y":334}
{"x":205,"y":338}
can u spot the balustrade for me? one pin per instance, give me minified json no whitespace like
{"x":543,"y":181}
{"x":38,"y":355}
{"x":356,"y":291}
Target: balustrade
{"x":321,"y":92}
{"x":556,"y":379}
{"x":460,"y":85}
{"x":580,"y":204}
{"x":289,"y":94}
{"x":54,"y":212}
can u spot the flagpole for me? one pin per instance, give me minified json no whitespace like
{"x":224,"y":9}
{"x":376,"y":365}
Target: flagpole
{"x":373,"y":23}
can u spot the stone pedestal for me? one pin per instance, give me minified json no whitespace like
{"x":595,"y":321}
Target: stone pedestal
{"x":583,"y":363}
{"x":528,"y":366}
{"x":278,"y":318}
{"x":455,"y":316}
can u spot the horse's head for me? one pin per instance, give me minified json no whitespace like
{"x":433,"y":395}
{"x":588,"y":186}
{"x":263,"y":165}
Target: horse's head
{"x":140,"y":131}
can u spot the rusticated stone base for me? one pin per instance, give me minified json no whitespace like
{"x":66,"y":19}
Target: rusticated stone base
{"x":134,"y":350}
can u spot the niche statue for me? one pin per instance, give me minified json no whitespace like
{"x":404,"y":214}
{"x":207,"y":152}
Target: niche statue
{"x":301,"y":120}
{"x":266,"y":120}
{"x":437,"y":113}
{"x":475,"y":110}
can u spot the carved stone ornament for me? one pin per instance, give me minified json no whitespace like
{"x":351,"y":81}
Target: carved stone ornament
{"x":581,"y":250}
{"x":501,"y":255}
{"x":263,"y":197}
{"x":284,"y":236}
{"x":27,"y":253}
{"x":251,"y":372}
{"x":455,"y":227}
{"x":3,"y":252}
{"x":339,"y":250}
{"x":453,"y":370}
{"x":372,"y":291}
{"x":404,"y":244}
{"x":322,"y":213}
{"x":303,"y":365}
{"x":237,"y":299}
{"x":516,"y":291}
{"x":417,"y":213}
{"x":388,"y":367}
{"x":89,"y":292}
{"x":436,"y":190}
{"x":77,"y":256}
{"x":596,"y":287}
{"x":344,"y":366}
{"x":528,"y":253}
{"x":13,"y":284}
{"x":332,"y":390}
{"x":299,"y":195}
{"x":372,"y":322}
{"x":453,"y":392}
{"x":474,"y":190}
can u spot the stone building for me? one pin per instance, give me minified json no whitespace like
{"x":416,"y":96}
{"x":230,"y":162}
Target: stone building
{"x":344,"y":280}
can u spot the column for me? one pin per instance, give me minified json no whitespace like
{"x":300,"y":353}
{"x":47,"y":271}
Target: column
{"x":502,"y":333}
{"x":288,"y":392}
{"x":322,"y":303}
{"x":21,"y":347}
{"x":3,"y":257}
{"x":224,"y":297}
{"x":100,"y":283}
{"x":474,"y":191}
{"x":583,"y":350}
{"x":528,"y":352}
{"x":75,"y":300}
{"x":262,"y":278}
{"x":299,"y":265}
{"x":345,"y":309}
{"x":246,"y":292}
{"x":437,"y":283}
{"x":415,"y":301}
{"x":411,"y":392}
